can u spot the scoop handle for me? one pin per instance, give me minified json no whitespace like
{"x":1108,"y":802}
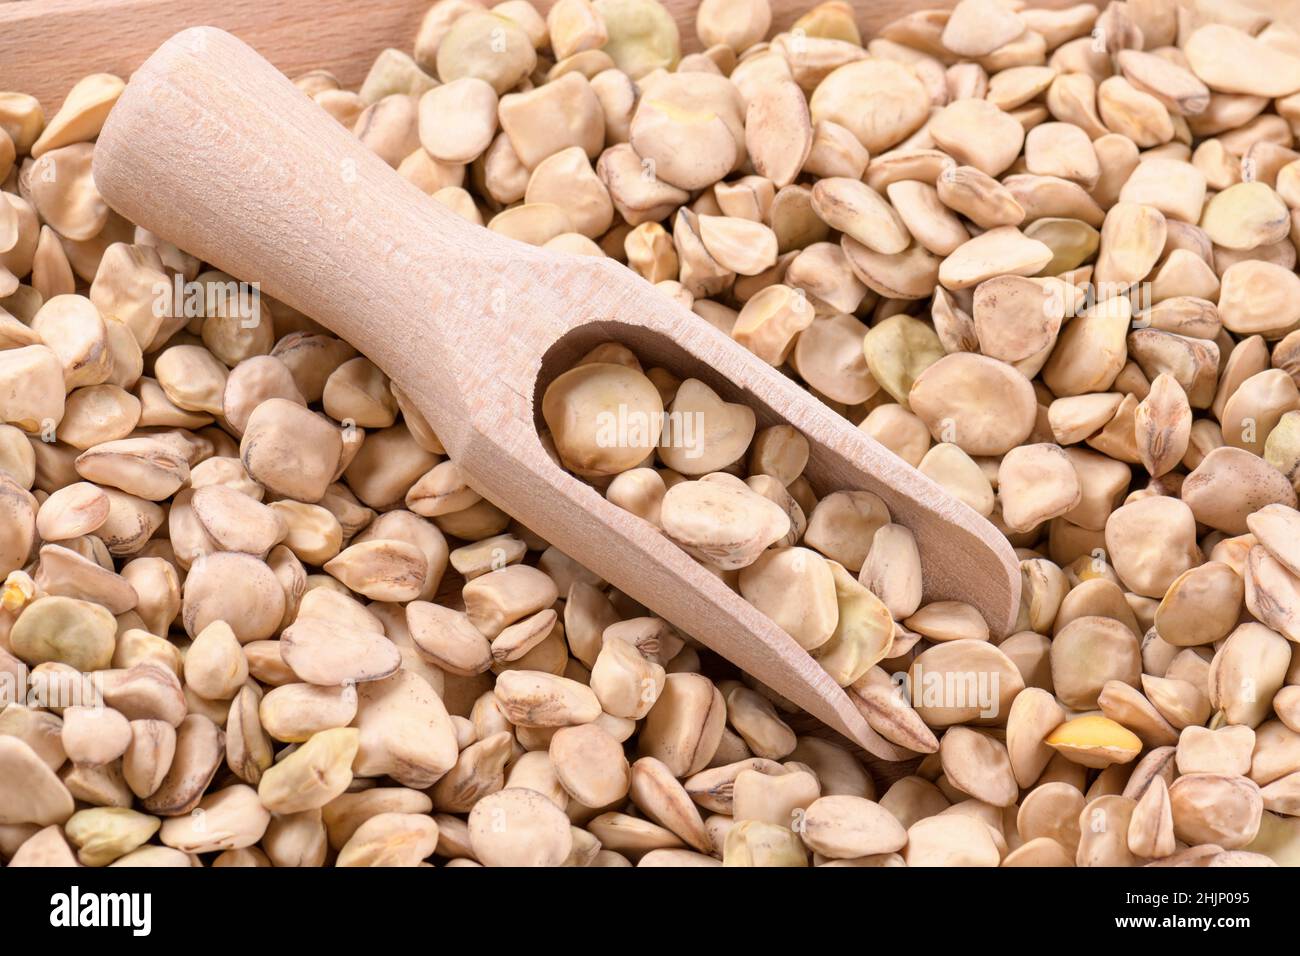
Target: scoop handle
{"x":215,"y":150}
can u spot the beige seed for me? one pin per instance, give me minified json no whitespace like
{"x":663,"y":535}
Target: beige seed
{"x":1246,"y":216}
{"x":290,"y":450}
{"x":982,"y":405}
{"x":328,"y":654}
{"x":537,"y":699}
{"x":960,"y":476}
{"x":770,"y":322}
{"x":590,"y":765}
{"x":1036,"y":483}
{"x":795,"y":588}
{"x":1016,"y":318}
{"x":779,"y":135}
{"x":1163,"y":424}
{"x":1215,"y":808}
{"x":950,"y":840}
{"x":1003,"y":250}
{"x":978,"y":764}
{"x":881,"y":102}
{"x":684,"y":727}
{"x":1229,"y":60}
{"x":976,"y":133}
{"x":70,"y":512}
{"x":1133,"y":113}
{"x":315,"y":773}
{"x":390,"y":839}
{"x":294,"y":712}
{"x":519,"y":827}
{"x":405,"y":730}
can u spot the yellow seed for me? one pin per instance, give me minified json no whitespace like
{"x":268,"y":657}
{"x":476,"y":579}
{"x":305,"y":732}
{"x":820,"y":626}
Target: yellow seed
{"x":18,"y":590}
{"x":1094,"y":741}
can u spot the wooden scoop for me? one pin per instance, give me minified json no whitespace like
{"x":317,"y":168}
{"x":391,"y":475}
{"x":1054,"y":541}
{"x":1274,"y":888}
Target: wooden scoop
{"x":213,"y":149}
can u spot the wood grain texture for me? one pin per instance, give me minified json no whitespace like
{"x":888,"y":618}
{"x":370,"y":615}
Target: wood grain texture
{"x":212,"y":148}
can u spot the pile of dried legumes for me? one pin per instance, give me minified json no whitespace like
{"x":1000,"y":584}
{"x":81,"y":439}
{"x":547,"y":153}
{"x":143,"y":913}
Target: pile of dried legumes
{"x":1046,"y":257}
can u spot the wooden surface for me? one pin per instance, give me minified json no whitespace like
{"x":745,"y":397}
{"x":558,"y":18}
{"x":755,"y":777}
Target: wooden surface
{"x":215,"y":150}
